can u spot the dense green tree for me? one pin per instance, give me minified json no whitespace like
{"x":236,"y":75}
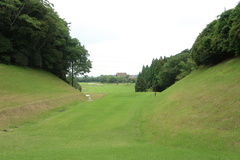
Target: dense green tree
{"x":111,"y":79}
{"x":186,"y":68}
{"x":77,"y":57}
{"x":164,"y":72}
{"x":219,"y":40}
{"x":32,"y":34}
{"x":141,"y":84}
{"x":120,"y":79}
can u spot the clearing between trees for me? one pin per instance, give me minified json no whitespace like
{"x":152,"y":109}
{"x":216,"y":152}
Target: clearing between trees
{"x":196,"y":118}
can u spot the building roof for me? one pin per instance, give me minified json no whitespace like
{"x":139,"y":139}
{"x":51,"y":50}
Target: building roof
{"x":121,"y":74}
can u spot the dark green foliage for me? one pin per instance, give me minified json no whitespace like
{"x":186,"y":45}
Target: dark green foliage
{"x":164,"y":72}
{"x":20,"y":59}
{"x":107,"y":79}
{"x":75,"y":83}
{"x":5,"y":44}
{"x":141,"y":84}
{"x":32,"y":34}
{"x":5,"y":48}
{"x":219,"y":40}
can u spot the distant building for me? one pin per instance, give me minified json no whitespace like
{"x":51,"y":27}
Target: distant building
{"x":132,"y":76}
{"x":121,"y":75}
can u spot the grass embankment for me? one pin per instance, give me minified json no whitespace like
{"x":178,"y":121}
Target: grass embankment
{"x":25,"y":93}
{"x":196,"y":119}
{"x":200,"y":112}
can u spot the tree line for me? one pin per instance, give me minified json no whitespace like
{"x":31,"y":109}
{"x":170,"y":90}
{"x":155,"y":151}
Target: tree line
{"x":217,"y":42}
{"x":163,"y":72}
{"x":32,"y":34}
{"x":107,"y":79}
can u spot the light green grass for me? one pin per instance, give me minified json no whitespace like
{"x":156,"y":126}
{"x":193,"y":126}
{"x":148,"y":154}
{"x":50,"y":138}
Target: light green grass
{"x":99,"y":90}
{"x":202,"y":111}
{"x":26,"y":92}
{"x":196,"y":119}
{"x":107,"y":88}
{"x":109,"y":128}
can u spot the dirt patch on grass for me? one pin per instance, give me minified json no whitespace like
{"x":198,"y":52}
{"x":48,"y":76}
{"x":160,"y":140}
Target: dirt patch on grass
{"x":96,"y":96}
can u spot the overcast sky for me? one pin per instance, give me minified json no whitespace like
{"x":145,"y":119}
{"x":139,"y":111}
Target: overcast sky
{"x":124,"y":35}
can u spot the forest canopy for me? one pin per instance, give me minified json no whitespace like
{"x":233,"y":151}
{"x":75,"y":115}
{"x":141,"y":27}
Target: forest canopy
{"x":32,"y":34}
{"x":163,"y":72}
{"x":220,"y":40}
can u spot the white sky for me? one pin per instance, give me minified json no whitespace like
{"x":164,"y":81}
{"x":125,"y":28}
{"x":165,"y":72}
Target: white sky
{"x":124,"y":35}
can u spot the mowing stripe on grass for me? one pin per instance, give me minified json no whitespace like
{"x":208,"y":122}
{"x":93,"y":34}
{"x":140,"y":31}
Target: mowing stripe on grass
{"x":121,"y":124}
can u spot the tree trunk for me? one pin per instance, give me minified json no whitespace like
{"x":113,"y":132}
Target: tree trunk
{"x":155,"y":89}
{"x":16,"y":16}
{"x":72,"y":73}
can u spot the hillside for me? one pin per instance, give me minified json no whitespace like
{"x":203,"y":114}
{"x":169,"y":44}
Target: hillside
{"x":27,"y":92}
{"x":200,"y":111}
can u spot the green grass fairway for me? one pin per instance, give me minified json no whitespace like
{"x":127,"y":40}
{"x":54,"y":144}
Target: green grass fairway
{"x":195,"y":119}
{"x":107,"y":88}
{"x":107,"y":129}
{"x":99,"y":90}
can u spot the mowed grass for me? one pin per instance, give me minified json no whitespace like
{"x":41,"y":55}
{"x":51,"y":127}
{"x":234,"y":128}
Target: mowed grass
{"x":99,"y":90}
{"x":196,"y":119}
{"x":108,"y":128}
{"x":107,"y":88}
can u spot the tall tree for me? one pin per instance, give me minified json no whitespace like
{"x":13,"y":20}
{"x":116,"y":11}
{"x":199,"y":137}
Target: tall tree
{"x":78,"y":58}
{"x":141,"y":84}
{"x":32,"y":34}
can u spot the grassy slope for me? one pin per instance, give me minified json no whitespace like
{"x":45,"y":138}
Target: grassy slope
{"x":201,"y":112}
{"x":25,"y":92}
{"x":197,"y":118}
